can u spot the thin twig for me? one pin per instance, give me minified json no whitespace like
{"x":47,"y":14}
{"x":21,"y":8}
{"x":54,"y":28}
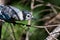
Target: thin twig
{"x":54,"y":10}
{"x":56,"y":6}
{"x":39,"y":5}
{"x":45,"y":10}
{"x":52,"y":7}
{"x":46,"y":26}
{"x":40,"y":1}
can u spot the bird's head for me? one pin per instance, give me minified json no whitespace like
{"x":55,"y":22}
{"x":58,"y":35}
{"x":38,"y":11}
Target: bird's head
{"x":25,"y":15}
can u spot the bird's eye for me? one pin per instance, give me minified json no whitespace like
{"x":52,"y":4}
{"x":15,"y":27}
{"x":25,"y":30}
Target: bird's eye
{"x":28,"y":16}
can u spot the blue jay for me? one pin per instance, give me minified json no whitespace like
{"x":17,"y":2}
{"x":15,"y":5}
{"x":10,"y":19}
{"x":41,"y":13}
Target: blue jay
{"x":12,"y":14}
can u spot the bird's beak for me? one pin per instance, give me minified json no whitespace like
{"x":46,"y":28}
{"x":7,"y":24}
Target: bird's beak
{"x":33,"y":18}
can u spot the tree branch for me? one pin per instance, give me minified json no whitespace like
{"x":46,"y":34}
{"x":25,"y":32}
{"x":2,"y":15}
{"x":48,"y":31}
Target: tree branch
{"x":57,"y":29}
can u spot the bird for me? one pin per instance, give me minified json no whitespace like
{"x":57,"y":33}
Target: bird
{"x":12,"y":14}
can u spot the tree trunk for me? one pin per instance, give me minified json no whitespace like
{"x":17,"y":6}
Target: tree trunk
{"x":55,"y":33}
